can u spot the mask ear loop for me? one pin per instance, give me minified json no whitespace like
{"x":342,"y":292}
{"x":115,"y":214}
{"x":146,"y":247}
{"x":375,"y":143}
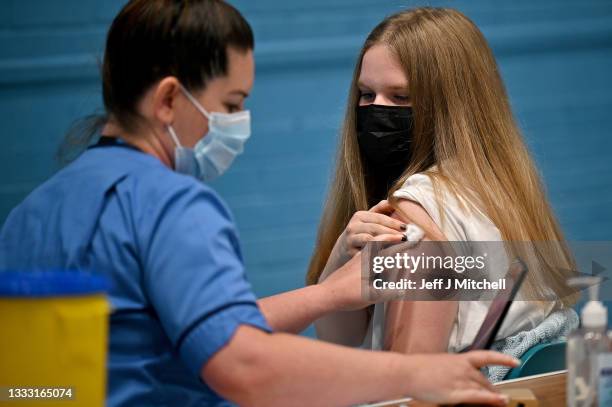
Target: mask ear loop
{"x":173,"y":135}
{"x":195,"y":102}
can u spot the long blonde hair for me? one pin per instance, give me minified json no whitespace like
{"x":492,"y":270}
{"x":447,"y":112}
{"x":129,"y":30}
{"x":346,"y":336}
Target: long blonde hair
{"x":463,"y":124}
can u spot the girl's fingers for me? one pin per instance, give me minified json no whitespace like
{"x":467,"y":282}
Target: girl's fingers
{"x":389,"y":238}
{"x":375,"y":229}
{"x":384,"y":220}
{"x":382,"y":207}
{"x":359,"y":240}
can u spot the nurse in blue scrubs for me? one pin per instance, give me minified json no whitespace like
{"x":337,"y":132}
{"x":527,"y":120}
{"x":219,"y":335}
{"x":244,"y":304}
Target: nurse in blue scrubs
{"x":186,"y":328}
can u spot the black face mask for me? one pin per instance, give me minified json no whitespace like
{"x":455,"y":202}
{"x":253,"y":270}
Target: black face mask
{"x":384,"y":134}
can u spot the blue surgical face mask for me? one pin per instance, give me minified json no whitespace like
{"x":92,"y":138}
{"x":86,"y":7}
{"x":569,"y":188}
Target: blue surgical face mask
{"x":215,"y":152}
{"x":184,"y":157}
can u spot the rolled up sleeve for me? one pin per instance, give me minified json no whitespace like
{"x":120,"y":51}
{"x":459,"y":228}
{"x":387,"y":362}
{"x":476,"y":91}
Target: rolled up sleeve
{"x":199,"y":345}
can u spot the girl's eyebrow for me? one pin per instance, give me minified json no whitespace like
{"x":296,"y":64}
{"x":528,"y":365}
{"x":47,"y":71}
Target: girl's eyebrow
{"x":394,"y":87}
{"x":398,"y":87}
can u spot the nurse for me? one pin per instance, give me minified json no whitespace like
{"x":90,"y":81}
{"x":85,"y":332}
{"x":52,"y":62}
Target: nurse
{"x":186,"y":329}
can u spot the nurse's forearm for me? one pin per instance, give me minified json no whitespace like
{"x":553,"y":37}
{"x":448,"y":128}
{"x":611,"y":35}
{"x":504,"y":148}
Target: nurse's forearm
{"x":260,"y":369}
{"x":293,"y":311}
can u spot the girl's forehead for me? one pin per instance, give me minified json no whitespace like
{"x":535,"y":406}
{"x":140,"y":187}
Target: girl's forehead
{"x":381,"y":69}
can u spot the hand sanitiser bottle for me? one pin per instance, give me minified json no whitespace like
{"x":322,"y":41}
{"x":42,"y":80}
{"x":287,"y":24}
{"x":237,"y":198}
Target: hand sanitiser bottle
{"x":589,"y":357}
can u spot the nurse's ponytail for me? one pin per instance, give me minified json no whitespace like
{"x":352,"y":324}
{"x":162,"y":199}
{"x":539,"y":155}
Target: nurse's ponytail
{"x":150,"y":40}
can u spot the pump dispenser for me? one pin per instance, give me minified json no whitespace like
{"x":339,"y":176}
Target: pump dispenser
{"x":589,"y":361}
{"x":594,"y":314}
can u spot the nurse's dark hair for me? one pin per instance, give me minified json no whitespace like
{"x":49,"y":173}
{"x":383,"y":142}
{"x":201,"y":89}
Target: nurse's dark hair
{"x":153,"y":39}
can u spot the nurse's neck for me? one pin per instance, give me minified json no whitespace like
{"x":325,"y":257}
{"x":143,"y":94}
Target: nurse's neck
{"x":148,"y":143}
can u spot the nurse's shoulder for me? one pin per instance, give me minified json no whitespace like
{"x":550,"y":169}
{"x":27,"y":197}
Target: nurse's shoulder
{"x":144,"y":183}
{"x":158,"y":191}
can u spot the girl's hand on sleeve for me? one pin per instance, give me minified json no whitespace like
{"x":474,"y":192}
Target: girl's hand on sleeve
{"x":376,"y":224}
{"x":412,"y":212}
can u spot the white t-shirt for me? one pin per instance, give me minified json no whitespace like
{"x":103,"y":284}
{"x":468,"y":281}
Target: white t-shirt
{"x":462,"y":223}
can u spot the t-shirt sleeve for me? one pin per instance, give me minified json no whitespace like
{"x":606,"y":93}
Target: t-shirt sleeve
{"x":194,"y":274}
{"x":440,"y":204}
{"x":418,"y":188}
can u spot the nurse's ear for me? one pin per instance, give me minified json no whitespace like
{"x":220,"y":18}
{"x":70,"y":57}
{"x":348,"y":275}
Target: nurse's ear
{"x":164,"y":100}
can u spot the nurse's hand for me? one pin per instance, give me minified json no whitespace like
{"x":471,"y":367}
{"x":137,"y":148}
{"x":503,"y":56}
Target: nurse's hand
{"x":445,"y":378}
{"x":343,"y":286}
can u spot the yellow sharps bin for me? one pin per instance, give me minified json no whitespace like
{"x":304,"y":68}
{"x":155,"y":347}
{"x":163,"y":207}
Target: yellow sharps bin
{"x":53,"y":339}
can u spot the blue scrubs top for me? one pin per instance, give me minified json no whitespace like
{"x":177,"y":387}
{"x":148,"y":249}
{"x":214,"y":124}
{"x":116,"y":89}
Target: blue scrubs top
{"x":169,"y":246}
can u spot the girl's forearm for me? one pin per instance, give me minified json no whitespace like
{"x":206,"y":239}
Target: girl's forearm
{"x":346,"y":328}
{"x":294,"y":310}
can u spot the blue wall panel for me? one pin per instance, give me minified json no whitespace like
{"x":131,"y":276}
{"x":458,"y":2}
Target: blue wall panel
{"x":555,"y":56}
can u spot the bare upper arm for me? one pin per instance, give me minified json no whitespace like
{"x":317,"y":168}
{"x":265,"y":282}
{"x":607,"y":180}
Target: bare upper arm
{"x":419,"y":326}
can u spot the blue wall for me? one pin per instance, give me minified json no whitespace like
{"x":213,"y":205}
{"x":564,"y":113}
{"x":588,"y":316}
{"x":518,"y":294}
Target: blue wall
{"x":555,"y":55}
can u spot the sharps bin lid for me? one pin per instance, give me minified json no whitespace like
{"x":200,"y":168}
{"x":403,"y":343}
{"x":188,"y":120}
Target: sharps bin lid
{"x":50,"y":283}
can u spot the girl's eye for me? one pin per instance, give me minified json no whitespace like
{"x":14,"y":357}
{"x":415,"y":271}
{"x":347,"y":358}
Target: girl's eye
{"x":402,"y":98}
{"x":366,"y":96}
